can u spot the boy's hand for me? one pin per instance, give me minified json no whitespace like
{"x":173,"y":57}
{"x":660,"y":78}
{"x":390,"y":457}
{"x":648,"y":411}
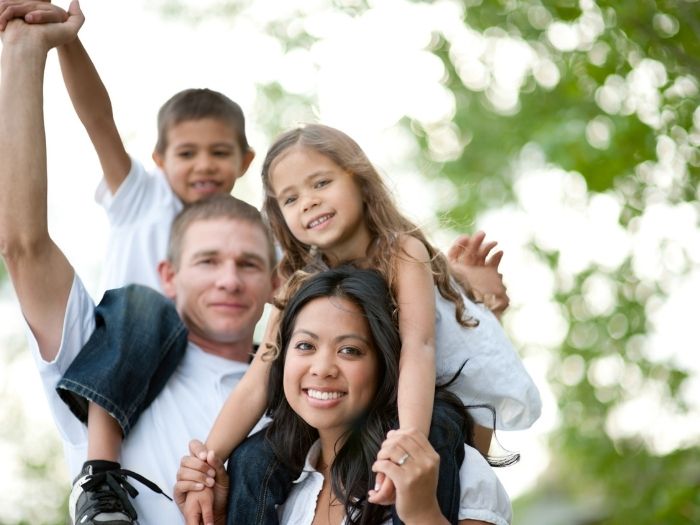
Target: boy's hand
{"x":31,"y":11}
{"x":472,"y":263}
{"x":201,"y":491}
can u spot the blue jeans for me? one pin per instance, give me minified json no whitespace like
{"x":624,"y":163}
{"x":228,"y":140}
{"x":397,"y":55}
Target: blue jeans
{"x":137,"y":344}
{"x":259,"y":481}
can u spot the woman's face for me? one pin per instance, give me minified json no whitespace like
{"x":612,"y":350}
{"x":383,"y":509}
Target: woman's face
{"x":331,"y":366}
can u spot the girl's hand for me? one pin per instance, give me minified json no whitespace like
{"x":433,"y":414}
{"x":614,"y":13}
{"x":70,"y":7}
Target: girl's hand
{"x":32,"y":11}
{"x":201,"y":490}
{"x":408,"y":459}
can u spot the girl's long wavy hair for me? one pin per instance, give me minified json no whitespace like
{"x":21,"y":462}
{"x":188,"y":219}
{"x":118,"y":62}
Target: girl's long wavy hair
{"x":383,"y":219}
{"x":291,"y":437}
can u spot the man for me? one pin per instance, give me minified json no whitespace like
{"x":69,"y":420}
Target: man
{"x":219,"y":276}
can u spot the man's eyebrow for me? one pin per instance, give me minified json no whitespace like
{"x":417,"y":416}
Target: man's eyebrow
{"x":253,"y":255}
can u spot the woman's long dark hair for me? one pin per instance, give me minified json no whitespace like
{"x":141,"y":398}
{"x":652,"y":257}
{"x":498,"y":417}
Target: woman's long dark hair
{"x":291,"y":437}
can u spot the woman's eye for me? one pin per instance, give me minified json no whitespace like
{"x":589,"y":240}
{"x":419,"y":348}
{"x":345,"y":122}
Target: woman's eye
{"x":303,"y":346}
{"x":351,"y":351}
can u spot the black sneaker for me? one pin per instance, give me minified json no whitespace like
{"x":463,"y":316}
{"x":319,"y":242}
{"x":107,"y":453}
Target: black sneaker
{"x":101,"y":495}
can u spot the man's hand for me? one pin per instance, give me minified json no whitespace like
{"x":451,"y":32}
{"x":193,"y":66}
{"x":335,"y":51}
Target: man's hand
{"x":201,"y":491}
{"x":476,"y":268}
{"x":45,"y":35}
{"x":31,"y":11}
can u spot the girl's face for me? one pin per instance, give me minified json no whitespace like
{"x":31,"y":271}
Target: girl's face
{"x":331,"y":366}
{"x":321,"y":203}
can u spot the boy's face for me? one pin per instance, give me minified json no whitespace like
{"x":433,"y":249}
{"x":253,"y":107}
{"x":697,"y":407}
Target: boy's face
{"x":222,"y":281}
{"x":202,"y":157}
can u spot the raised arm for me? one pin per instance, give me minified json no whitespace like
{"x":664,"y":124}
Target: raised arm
{"x":40,"y":273}
{"x":94,"y":108}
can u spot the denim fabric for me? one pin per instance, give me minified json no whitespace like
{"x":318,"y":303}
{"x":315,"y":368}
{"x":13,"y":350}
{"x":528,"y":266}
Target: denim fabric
{"x":447,"y":436}
{"x":137,"y":344}
{"x":259,"y":482}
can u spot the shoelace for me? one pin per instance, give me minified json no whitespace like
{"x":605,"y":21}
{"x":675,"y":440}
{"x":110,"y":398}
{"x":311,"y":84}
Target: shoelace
{"x":116,"y":480}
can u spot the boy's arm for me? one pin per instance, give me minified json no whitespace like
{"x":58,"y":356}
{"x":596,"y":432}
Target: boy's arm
{"x":41,"y":274}
{"x":246,"y":404}
{"x":94,"y":108}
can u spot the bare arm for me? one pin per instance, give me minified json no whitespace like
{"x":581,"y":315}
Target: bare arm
{"x":94,"y":108}
{"x":246,"y":404}
{"x":416,"y":300}
{"x":40,"y":273}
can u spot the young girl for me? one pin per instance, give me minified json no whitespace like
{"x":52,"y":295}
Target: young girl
{"x":327,"y":205}
{"x":338,"y":336}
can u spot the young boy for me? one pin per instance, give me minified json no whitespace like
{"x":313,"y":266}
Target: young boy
{"x":201,"y":150}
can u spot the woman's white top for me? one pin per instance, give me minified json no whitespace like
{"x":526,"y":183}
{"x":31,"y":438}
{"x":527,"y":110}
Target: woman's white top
{"x":482,"y":495}
{"x":493,"y":373}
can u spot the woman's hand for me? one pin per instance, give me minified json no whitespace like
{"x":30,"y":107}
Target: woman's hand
{"x":201,"y":491}
{"x":31,"y":11}
{"x":411,"y":463}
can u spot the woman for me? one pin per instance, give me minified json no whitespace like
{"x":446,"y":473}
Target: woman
{"x":332,"y":398}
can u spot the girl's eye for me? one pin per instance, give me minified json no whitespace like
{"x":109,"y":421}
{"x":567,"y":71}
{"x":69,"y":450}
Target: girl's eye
{"x":288,"y":200}
{"x":321,"y":183}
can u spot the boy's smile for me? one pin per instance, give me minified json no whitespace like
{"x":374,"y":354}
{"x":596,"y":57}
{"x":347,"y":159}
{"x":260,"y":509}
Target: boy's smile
{"x":202,"y":157}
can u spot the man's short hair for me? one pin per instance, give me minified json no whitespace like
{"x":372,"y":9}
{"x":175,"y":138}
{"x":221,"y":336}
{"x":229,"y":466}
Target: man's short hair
{"x":219,"y":206}
{"x":196,"y":104}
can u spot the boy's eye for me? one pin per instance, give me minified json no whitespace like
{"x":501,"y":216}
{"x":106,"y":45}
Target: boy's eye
{"x":185,"y":154}
{"x":222,"y":153}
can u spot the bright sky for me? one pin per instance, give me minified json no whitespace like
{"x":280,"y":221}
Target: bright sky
{"x":364,"y":86}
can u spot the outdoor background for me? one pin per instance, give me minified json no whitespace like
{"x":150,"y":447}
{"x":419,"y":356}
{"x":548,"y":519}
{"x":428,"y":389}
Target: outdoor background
{"x":567,"y":130}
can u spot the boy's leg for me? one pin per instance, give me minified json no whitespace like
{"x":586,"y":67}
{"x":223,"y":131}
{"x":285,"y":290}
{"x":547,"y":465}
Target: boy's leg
{"x":447,"y":436}
{"x":259,"y":482}
{"x":138,"y":342}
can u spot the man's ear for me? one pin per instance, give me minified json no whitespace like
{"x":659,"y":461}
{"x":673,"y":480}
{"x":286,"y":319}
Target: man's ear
{"x":248,"y":157}
{"x":158,"y":159}
{"x":167,"y":274}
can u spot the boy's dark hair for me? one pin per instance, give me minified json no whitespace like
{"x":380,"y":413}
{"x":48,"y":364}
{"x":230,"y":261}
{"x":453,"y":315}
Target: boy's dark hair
{"x":195,"y":104}
{"x":223,"y":206}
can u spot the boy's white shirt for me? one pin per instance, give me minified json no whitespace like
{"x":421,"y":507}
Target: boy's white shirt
{"x":140,"y":214}
{"x":482,"y":496}
{"x":185,"y":409}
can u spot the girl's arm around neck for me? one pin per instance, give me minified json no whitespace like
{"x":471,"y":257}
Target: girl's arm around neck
{"x":415,"y":296}
{"x":246,"y":403}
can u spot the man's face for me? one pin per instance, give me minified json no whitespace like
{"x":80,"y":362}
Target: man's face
{"x":222,"y":282}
